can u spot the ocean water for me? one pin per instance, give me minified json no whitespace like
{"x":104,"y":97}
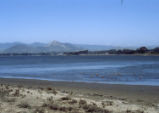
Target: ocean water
{"x":134,"y":70}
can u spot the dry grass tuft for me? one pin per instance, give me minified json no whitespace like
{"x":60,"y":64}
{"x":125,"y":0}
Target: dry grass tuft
{"x":49,"y":88}
{"x":73,"y":101}
{"x":54,"y":92}
{"x":16,"y":93}
{"x":39,"y":110}
{"x":24,"y":105}
{"x":82,"y":102}
{"x":94,"y":109}
{"x":56,"y":107}
{"x":136,"y":111}
{"x":91,"y":108}
{"x":65,"y":98}
{"x":50,"y":99}
{"x":109,"y":103}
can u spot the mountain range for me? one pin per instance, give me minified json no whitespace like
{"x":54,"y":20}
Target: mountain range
{"x":54,"y":46}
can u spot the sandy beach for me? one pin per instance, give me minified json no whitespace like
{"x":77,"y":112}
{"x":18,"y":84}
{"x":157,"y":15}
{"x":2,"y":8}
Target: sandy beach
{"x":36,"y":96}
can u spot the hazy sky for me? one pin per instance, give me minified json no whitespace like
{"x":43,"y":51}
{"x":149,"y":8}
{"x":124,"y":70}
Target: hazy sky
{"x":105,"y":22}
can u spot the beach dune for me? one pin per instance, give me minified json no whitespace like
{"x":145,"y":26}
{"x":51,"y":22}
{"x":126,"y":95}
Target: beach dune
{"x":35,"y":96}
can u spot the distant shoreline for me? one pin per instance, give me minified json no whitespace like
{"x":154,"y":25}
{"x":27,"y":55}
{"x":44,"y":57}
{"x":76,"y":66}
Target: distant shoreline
{"x":2,"y":55}
{"x":142,"y":51}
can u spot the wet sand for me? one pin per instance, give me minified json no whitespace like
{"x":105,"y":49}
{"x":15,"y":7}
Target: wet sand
{"x":116,"y":98}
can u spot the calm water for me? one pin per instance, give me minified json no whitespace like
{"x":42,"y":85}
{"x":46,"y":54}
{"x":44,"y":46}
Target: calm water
{"x":141,"y":70}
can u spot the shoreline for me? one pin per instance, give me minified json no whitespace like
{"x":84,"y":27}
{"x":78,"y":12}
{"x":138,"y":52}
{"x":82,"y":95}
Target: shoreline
{"x":41,"y":96}
{"x":120,"y":90}
{"x":131,"y":83}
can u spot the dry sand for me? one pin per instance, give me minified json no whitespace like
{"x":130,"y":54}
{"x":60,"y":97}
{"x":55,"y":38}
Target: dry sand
{"x":35,"y":96}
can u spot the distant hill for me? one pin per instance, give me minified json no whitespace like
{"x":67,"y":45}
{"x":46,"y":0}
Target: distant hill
{"x":4,"y":46}
{"x":97,"y":47}
{"x":54,"y":46}
{"x":62,"y":47}
{"x":23,"y":48}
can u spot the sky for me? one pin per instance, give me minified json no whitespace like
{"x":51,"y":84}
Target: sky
{"x":102,"y":22}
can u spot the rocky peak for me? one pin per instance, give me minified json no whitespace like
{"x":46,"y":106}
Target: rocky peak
{"x":55,"y":43}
